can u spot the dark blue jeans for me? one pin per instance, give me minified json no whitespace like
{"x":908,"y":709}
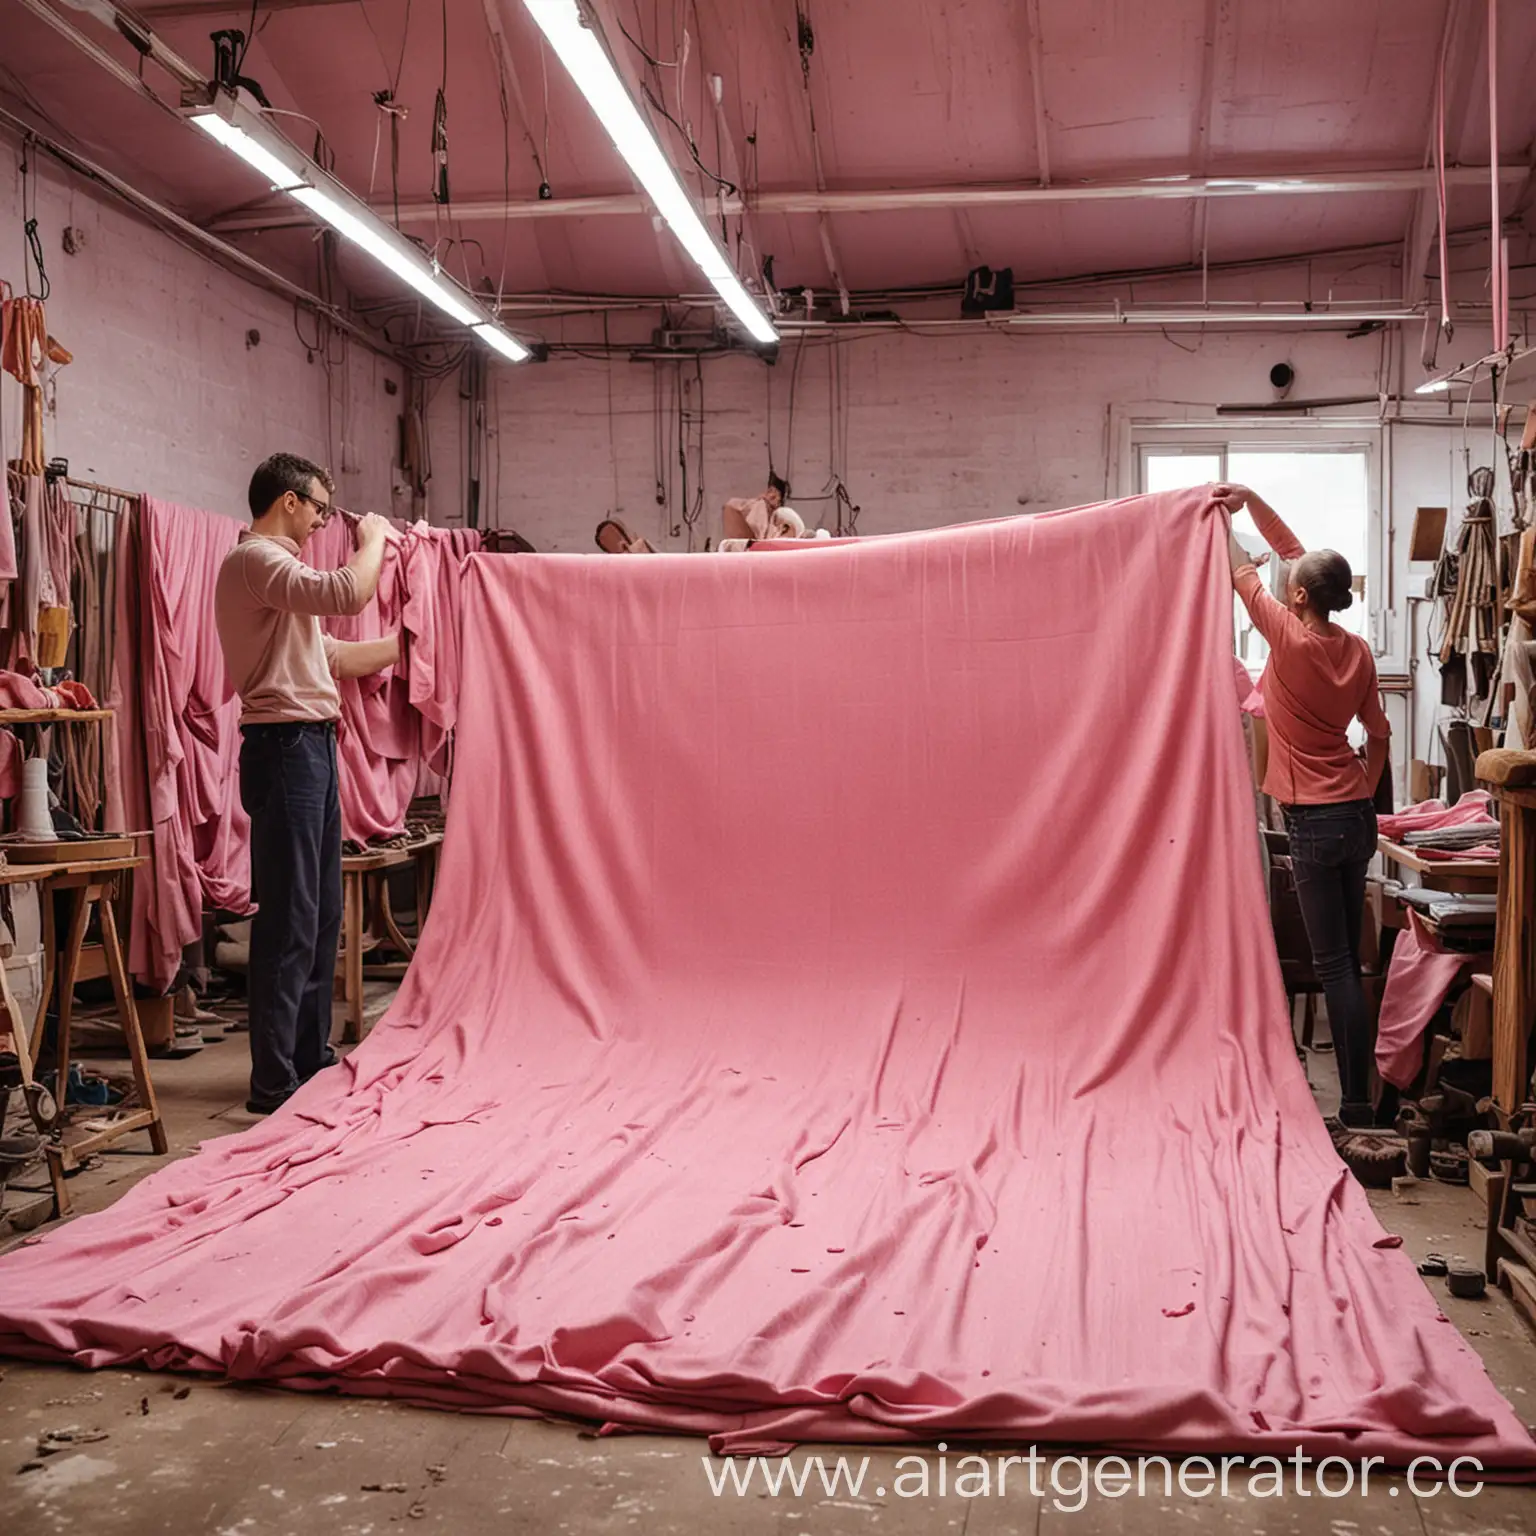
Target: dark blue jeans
{"x":289,"y":789}
{"x":1331,"y":846}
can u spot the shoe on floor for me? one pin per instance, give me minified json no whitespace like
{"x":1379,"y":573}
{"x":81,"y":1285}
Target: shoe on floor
{"x":262,"y":1107}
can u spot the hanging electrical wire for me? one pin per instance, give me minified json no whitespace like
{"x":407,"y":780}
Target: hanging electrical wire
{"x":613,"y":445}
{"x":440,"y":192}
{"x":38,"y":286}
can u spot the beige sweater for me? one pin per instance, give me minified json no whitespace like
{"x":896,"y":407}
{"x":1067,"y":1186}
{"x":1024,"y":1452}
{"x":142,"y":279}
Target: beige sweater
{"x":269,"y":605}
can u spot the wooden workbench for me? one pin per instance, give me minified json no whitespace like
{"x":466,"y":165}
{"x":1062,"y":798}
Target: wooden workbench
{"x":1514,"y":954}
{"x":1467,"y":877}
{"x":360,"y":873}
{"x":89,"y":881}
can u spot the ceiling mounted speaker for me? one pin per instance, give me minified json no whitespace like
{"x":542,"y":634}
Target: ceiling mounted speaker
{"x":1282,"y":376}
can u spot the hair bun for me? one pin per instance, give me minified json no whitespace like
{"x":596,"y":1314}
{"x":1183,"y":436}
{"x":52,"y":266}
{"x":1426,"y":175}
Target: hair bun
{"x":1338,"y":599}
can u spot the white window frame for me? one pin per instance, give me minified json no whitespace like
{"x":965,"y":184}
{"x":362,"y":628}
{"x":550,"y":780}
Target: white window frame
{"x":1205,"y":433}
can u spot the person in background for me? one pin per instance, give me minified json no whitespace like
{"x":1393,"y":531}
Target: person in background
{"x":761,"y":517}
{"x":1320,"y":679}
{"x":747,"y":519}
{"x":268,"y":605}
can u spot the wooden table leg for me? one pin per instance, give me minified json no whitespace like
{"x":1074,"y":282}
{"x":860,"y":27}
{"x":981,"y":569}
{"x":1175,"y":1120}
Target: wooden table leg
{"x":17,"y":1026}
{"x":69,"y":967}
{"x":352,"y":923}
{"x":122,"y":989}
{"x":387,"y":920}
{"x":50,"y":964}
{"x":1514,"y":962}
{"x":423,"y":889}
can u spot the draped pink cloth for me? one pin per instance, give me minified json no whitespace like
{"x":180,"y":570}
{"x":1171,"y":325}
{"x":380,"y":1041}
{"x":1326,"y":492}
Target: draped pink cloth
{"x":1418,"y":978}
{"x":181,"y":776}
{"x":397,"y":720}
{"x":1005,"y":1139}
{"x":190,"y":721}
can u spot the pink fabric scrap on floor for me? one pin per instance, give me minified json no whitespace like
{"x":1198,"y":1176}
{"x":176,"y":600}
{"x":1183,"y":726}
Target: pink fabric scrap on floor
{"x":1418,"y":978}
{"x":190,"y":721}
{"x":1003,"y":1137}
{"x":397,"y":721}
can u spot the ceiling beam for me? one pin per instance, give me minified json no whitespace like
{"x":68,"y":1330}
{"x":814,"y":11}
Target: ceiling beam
{"x":1216,"y":63}
{"x":823,"y":224}
{"x":1036,"y":46}
{"x":1166,"y":188}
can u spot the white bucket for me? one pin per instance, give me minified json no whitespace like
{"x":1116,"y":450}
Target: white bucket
{"x":34,"y":821}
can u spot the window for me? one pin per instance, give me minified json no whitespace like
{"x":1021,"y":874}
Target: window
{"x":1322,"y":494}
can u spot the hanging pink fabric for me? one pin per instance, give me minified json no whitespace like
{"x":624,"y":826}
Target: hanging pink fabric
{"x":190,"y":719}
{"x":397,"y":721}
{"x":848,"y":1049}
{"x":1420,"y":975}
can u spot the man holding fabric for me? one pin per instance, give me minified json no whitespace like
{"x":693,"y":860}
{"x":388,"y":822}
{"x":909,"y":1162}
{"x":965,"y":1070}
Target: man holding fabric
{"x":269,"y":605}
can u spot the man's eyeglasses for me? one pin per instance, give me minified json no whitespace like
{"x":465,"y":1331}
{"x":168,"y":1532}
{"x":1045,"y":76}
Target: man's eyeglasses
{"x":324,"y":508}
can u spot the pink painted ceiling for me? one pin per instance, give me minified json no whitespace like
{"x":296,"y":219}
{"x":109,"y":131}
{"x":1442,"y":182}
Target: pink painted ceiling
{"x":904,"y":93}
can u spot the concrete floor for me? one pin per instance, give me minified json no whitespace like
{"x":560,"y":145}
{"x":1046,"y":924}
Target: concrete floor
{"x":193,"y":1458}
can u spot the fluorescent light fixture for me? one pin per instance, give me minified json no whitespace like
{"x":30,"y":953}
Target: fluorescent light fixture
{"x":592,"y":70}
{"x":284,"y":178}
{"x":245,"y":133}
{"x":1434,"y":386}
{"x":400,"y":258}
{"x":501,"y":341}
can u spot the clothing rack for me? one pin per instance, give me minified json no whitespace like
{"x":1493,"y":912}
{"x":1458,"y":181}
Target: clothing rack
{"x":94,"y":593}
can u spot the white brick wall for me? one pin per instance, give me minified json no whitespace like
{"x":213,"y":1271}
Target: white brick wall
{"x":939,"y":428}
{"x":164,"y":395}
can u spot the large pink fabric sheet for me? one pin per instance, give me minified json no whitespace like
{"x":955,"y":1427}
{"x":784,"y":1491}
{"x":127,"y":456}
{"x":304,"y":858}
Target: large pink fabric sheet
{"x":190,"y":721}
{"x":848,"y":1049}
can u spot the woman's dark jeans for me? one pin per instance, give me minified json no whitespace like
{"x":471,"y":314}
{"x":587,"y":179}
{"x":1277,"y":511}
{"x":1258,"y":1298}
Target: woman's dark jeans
{"x":1331,"y":847}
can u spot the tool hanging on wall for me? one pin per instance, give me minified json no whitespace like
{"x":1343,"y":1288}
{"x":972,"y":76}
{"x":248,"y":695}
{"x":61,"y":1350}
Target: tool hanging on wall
{"x":1471,"y":584}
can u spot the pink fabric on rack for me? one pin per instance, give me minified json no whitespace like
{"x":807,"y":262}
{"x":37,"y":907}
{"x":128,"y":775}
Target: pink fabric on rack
{"x":9,"y":570}
{"x":125,"y":806}
{"x":190,"y":718}
{"x":27,"y":595}
{"x":434,"y":574}
{"x":1009,"y":1141}
{"x":1420,"y":975}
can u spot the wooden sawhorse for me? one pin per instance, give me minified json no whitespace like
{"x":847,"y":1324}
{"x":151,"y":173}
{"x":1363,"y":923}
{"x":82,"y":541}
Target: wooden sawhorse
{"x":88,"y":882}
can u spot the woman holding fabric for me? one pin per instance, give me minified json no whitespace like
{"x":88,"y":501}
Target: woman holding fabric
{"x":1320,"y":679}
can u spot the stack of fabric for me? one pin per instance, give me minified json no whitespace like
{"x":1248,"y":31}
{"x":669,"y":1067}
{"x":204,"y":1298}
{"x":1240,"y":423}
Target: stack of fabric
{"x":1435,"y":831}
